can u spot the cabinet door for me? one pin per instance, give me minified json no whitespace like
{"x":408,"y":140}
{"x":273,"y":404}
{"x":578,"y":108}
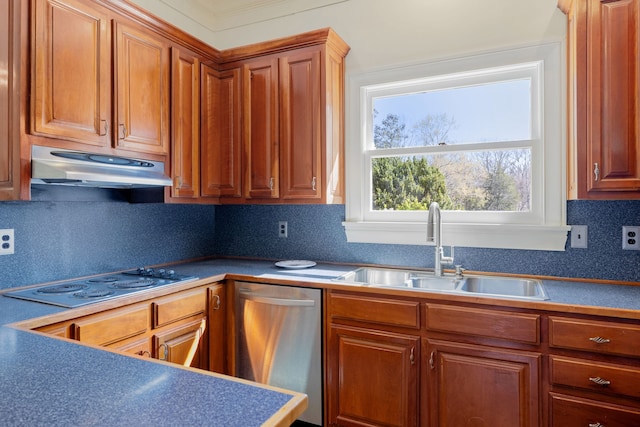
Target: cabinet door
{"x":9,"y":99}
{"x":217,"y":329}
{"x":300,"y":125}
{"x":185,"y":124}
{"x":173,"y":345}
{"x":71,"y":82}
{"x":260,"y":128}
{"x":142,"y":89}
{"x":372,"y":378}
{"x":605,"y":53}
{"x":474,"y":385}
{"x":220,"y":127}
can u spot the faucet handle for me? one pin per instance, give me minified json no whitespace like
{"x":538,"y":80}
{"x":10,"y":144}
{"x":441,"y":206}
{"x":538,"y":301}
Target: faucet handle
{"x":459,"y":271}
{"x":448,"y":260}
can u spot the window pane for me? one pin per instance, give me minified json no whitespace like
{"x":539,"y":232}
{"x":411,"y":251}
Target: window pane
{"x":491,"y":112}
{"x":498,"y":180}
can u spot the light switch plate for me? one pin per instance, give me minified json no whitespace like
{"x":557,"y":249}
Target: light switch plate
{"x":579,"y":235}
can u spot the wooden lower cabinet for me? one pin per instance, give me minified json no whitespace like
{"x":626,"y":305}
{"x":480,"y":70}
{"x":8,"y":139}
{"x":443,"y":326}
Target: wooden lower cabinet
{"x":472,"y":385}
{"x":374,"y":377}
{"x":164,"y":328}
{"x":594,"y":372}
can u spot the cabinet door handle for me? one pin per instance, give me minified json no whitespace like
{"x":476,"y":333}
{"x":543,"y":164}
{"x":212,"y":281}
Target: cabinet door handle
{"x":271,"y":183}
{"x":144,"y":353}
{"x":313,"y":184}
{"x":596,"y":425}
{"x":600,"y":381}
{"x":105,"y":127}
{"x":177,"y":182}
{"x":123,"y":131}
{"x":412,"y":357}
{"x":600,"y":340}
{"x":163,"y":352}
{"x":431,"y":360}
{"x":596,"y":171}
{"x":216,"y":304}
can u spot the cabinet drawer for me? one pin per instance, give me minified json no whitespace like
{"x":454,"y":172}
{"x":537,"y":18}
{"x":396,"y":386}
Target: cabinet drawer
{"x":180,"y":306}
{"x":600,"y":377}
{"x":485,"y":323}
{"x":112,"y":326}
{"x":375,"y":310}
{"x":596,"y":336}
{"x":567,"y":411}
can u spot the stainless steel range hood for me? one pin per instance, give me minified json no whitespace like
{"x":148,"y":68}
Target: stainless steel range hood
{"x":75,"y":168}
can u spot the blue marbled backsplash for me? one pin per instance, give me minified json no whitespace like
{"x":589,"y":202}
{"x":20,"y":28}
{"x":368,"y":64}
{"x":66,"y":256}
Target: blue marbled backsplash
{"x":316,"y":233}
{"x":62,"y":239}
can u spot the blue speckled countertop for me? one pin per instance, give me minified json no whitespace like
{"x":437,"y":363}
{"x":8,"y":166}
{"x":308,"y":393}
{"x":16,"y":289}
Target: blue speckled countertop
{"x":48,"y":381}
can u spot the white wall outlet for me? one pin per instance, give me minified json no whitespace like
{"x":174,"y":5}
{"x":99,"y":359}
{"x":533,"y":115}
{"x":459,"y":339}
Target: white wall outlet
{"x":631,"y":237}
{"x":6,"y":241}
{"x":579,"y":236}
{"x":283,"y":229}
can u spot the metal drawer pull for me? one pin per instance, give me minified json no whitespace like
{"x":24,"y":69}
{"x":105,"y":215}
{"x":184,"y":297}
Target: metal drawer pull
{"x":313,"y":184}
{"x":596,"y":171}
{"x":271,"y":183}
{"x":596,"y":425}
{"x":600,"y":340}
{"x":599,"y":381}
{"x":412,"y":358}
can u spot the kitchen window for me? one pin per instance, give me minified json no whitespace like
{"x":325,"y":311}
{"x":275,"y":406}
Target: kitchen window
{"x":482,"y":136}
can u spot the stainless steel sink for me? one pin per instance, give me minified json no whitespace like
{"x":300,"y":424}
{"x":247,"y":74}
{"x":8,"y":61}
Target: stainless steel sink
{"x":504,"y":287}
{"x":494,"y":286}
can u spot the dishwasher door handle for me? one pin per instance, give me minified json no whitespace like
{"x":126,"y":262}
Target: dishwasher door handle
{"x":287,"y":302}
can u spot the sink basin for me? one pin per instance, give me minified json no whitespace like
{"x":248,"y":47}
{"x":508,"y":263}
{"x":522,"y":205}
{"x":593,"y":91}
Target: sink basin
{"x":504,"y":287}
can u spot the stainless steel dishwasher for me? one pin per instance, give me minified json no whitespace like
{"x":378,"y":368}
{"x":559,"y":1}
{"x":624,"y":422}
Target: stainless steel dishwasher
{"x":279,"y":340}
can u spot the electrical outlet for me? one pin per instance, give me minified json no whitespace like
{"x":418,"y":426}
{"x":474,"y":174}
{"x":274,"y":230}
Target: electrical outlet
{"x":6,"y":241}
{"x":631,"y":237}
{"x":579,"y":236}
{"x":283,"y":229}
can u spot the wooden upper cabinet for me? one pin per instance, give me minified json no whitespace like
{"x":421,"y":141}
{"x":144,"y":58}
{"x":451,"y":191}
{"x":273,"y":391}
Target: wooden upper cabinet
{"x":71,"y":87}
{"x":604,"y":89}
{"x":81,"y":55}
{"x":300,"y":130}
{"x":221,"y":149}
{"x":142,"y":90}
{"x":185,"y":124}
{"x":260,"y":118}
{"x":293,"y":118}
{"x":9,"y":100}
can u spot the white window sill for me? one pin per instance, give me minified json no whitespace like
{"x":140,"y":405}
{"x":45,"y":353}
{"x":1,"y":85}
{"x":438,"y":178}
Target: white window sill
{"x":507,"y":236}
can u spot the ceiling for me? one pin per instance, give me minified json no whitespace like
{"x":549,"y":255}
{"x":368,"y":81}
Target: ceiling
{"x":218,"y":15}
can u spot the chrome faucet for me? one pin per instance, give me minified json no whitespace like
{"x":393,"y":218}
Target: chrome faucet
{"x":434,"y":234}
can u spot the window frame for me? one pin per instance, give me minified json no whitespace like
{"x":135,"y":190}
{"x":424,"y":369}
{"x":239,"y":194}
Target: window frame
{"x":543,"y":228}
